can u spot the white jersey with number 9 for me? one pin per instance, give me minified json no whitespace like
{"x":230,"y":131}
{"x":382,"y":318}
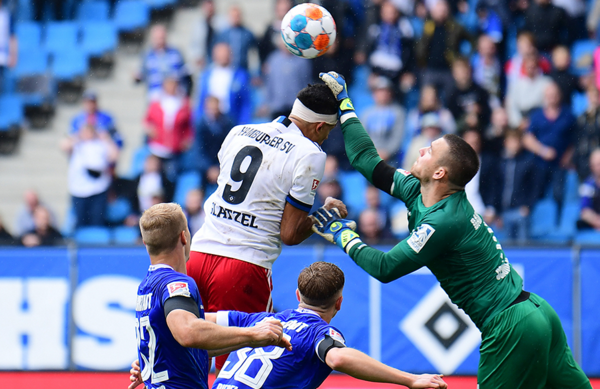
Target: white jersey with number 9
{"x":263,"y":166}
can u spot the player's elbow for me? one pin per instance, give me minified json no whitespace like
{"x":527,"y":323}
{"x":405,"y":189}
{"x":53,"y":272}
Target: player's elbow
{"x":290,"y":239}
{"x":336,"y":359}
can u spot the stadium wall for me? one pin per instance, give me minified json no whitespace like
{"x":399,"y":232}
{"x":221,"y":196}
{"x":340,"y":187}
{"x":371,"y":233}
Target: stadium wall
{"x":72,"y":309}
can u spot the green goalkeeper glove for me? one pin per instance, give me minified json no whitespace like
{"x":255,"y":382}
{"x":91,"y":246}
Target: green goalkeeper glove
{"x":330,"y":225}
{"x":338,"y":86}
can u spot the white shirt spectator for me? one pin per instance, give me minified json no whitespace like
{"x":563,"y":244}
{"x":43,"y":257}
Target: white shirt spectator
{"x":89,"y":158}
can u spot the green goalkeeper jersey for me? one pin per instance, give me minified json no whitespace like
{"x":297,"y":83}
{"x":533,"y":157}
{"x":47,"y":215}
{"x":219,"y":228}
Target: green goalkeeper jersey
{"x":449,"y":238}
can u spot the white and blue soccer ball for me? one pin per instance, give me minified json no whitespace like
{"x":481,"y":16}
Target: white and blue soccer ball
{"x":308,"y":30}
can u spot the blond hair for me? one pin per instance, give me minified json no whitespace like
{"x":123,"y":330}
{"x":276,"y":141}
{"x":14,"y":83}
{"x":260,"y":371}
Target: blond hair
{"x":161,"y":226}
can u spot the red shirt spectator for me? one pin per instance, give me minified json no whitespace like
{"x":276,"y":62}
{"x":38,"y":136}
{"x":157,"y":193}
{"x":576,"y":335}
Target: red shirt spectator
{"x":169,"y":122}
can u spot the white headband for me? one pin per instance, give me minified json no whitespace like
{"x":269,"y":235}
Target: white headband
{"x":307,"y":114}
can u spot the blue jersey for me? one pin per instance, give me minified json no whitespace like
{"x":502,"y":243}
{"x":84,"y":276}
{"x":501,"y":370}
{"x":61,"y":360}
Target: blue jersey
{"x":164,"y":362}
{"x":275,"y":367}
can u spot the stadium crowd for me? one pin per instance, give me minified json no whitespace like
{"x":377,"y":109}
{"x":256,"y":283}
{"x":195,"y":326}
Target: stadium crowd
{"x":517,"y":79}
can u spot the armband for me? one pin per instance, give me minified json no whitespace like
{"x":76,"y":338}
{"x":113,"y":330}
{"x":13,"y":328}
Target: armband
{"x":181,"y":302}
{"x":383,"y":177}
{"x":327,"y":344}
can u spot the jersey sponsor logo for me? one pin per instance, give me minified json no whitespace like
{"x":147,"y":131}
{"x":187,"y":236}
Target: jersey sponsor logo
{"x":245,"y":219}
{"x":420,"y":236}
{"x":403,"y":172}
{"x":333,"y":334}
{"x":261,"y":137}
{"x":178,"y":288}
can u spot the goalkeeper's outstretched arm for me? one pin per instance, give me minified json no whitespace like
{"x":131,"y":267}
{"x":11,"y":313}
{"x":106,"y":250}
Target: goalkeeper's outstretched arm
{"x":359,"y":147}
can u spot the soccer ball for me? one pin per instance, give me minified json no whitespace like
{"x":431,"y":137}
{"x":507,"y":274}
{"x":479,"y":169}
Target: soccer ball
{"x":308,"y":30}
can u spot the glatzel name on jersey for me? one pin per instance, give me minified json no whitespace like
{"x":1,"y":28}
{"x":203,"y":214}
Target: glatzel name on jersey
{"x":261,"y":137}
{"x":245,"y":219}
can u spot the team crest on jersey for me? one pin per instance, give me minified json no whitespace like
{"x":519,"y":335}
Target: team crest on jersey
{"x":314,"y":187}
{"x":333,"y":334}
{"x":420,"y":236}
{"x":403,"y":172}
{"x":178,"y":288}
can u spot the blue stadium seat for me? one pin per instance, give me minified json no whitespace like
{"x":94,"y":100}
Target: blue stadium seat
{"x":97,"y":10}
{"x":29,"y":35}
{"x":99,"y":38}
{"x":186,"y":182}
{"x":353,"y":187}
{"x":118,"y":210}
{"x":124,"y":235}
{"x":68,"y":227}
{"x":543,"y":218}
{"x":568,"y":224}
{"x":92,"y":236}
{"x":137,"y":163}
{"x":131,"y":15}
{"x":588,"y":238}
{"x":31,"y":63}
{"x":582,"y":54}
{"x":70,"y":64}
{"x":61,"y":36}
{"x":579,"y":103}
{"x":571,"y":187}
{"x":11,"y":111}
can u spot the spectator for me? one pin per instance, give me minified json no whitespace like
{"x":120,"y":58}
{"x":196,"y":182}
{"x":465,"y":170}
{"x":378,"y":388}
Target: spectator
{"x":593,"y":18}
{"x":547,"y":23}
{"x":210,"y":134}
{"x":297,"y":73}
{"x":567,"y":82}
{"x":91,"y":156}
{"x":429,"y":102}
{"x":332,"y":168}
{"x":229,"y":84}
{"x":8,"y":44}
{"x":373,"y":201}
{"x":587,"y":138}
{"x":467,"y":100}
{"x":589,"y":192}
{"x":372,"y":229}
{"x":40,"y":6}
{"x":526,"y":93}
{"x":43,"y":234}
{"x":272,"y":36}
{"x":549,"y":137}
{"x":575,"y":10}
{"x":6,"y":239}
{"x":488,"y":22}
{"x":328,"y":188}
{"x":151,"y":184}
{"x":208,"y":26}
{"x":389,"y":43}
{"x":161,"y":61}
{"x":514,"y":67}
{"x":25,"y":221}
{"x":493,"y":136}
{"x":91,"y":115}
{"x":239,"y":39}
{"x":168,"y":124}
{"x":385,"y":120}
{"x":514,"y":193}
{"x":486,"y":66}
{"x":193,"y":210}
{"x":430,"y":131}
{"x":439,"y":46}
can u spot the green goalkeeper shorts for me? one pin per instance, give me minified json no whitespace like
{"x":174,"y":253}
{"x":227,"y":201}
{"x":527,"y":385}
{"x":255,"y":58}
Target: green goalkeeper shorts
{"x":525,"y":347}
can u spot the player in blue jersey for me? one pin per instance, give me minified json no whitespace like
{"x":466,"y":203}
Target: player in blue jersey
{"x":172,"y":335}
{"x":318,"y":347}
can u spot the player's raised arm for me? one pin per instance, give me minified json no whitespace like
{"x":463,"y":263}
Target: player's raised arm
{"x":359,"y":365}
{"x":361,"y":151}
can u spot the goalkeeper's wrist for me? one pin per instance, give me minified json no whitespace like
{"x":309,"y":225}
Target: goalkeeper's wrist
{"x":346,"y":110}
{"x":347,"y":239}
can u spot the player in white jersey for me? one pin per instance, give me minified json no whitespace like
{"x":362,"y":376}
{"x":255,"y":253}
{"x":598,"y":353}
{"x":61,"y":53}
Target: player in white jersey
{"x":268,"y":177}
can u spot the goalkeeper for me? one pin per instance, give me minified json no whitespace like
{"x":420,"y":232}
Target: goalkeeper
{"x":523,"y":343}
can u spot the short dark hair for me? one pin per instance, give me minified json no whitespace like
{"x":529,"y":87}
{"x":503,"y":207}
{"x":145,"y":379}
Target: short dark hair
{"x":461,"y":161}
{"x":320,"y":283}
{"x":319,"y":98}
